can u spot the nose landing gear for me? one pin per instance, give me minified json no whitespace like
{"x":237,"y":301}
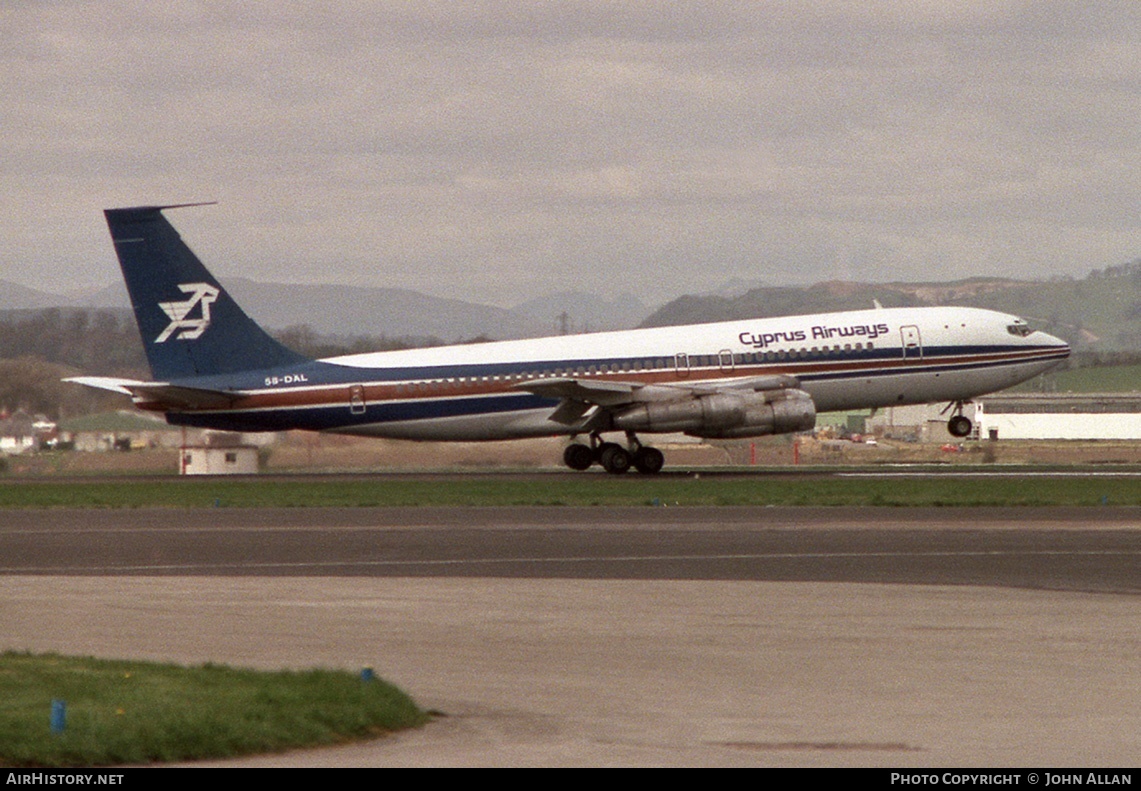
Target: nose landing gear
{"x":958,"y":425}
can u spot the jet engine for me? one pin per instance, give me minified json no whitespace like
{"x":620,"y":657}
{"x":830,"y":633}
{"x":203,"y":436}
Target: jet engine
{"x":723,"y":415}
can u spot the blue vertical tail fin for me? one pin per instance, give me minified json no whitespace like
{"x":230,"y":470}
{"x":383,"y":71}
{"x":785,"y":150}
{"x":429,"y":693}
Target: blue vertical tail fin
{"x":190,"y":325}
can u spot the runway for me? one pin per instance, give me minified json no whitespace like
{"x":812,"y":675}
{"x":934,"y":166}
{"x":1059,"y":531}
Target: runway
{"x":650,"y":636}
{"x":1057,"y":549}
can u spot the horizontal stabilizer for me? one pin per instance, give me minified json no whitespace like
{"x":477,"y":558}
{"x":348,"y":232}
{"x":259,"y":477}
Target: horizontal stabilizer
{"x":105,"y":383}
{"x":166,"y":396}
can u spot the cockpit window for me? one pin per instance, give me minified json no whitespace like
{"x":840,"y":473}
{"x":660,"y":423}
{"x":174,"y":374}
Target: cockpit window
{"x":1019,"y":328}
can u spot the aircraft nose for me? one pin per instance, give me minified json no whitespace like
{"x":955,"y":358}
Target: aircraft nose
{"x":1059,"y":345}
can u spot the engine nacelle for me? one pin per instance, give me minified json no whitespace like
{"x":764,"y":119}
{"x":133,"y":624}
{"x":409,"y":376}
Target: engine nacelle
{"x":723,"y":415}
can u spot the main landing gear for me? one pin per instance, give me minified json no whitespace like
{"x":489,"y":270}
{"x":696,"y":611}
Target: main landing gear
{"x":614,"y":458}
{"x":959,"y":425}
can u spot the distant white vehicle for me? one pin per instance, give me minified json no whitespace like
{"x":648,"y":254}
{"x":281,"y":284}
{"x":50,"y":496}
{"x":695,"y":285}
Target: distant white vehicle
{"x":214,"y":367}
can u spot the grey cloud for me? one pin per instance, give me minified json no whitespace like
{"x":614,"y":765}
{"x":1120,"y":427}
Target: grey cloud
{"x":494,"y":150}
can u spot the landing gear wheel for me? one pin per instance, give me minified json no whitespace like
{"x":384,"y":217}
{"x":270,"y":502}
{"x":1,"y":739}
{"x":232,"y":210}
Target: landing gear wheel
{"x":615,"y":459}
{"x":578,"y":456}
{"x":648,"y":461}
{"x":959,"y":426}
{"x":601,"y":448}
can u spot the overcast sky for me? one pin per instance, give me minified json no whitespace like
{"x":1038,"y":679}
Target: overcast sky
{"x":493,"y":151}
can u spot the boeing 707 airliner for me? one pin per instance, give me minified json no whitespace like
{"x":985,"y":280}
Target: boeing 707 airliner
{"x":214,"y":367}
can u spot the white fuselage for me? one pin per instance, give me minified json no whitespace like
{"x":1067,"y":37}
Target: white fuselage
{"x":849,"y":360}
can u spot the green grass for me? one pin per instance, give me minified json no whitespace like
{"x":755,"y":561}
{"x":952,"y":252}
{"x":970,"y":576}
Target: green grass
{"x":138,"y":712}
{"x":1103,"y":379}
{"x":585,"y":490}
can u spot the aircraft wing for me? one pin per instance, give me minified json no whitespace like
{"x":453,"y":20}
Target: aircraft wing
{"x":755,"y":383}
{"x":167,"y":396}
{"x":579,"y":396}
{"x":585,"y":390}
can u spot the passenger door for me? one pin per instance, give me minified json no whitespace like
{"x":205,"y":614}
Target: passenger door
{"x":912,"y":345}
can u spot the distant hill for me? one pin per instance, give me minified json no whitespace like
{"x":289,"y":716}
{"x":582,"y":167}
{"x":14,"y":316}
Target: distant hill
{"x":1086,"y":379}
{"x":1099,"y":312}
{"x":96,"y":330}
{"x":351,"y":311}
{"x":396,"y":312}
{"x":13,"y":296}
{"x":578,"y":311}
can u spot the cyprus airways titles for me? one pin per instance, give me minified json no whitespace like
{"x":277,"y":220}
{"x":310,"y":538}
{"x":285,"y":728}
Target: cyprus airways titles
{"x":817,"y":333}
{"x":214,"y":367}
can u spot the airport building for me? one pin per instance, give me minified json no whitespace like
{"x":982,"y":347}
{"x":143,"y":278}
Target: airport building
{"x":1084,"y":416}
{"x":221,"y":454}
{"x":121,"y":430}
{"x":1022,"y":416}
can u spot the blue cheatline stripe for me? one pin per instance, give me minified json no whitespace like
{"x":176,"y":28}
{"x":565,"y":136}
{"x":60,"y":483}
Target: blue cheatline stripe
{"x":323,"y":418}
{"x":927,"y":366}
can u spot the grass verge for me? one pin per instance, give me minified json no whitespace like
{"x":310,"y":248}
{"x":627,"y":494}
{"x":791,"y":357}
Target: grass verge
{"x":586,"y":490}
{"x":120,"y":712}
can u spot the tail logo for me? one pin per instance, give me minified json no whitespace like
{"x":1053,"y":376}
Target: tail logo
{"x":200,"y":294}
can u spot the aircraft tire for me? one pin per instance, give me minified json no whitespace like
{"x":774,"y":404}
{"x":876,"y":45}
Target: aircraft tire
{"x":649,"y":461}
{"x":616,"y":460}
{"x":601,"y":449}
{"x":578,"y":456}
{"x":959,"y":426}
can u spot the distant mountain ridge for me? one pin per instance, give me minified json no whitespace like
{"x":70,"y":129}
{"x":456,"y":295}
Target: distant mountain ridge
{"x":577,"y":311}
{"x":347,"y":311}
{"x":13,"y":296}
{"x":1100,"y":312}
